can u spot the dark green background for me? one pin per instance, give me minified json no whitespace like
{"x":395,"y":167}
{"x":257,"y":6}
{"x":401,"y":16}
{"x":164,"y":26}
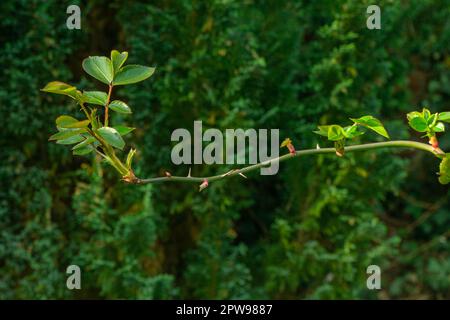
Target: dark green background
{"x":308,"y":232}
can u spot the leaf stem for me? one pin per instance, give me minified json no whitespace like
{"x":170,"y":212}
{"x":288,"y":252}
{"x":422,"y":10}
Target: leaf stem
{"x":361,"y":147}
{"x":107,"y":104}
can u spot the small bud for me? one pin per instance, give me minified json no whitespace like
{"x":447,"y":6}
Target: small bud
{"x":339,"y":146}
{"x":204,"y":185}
{"x":288,"y":144}
{"x":434,"y":142}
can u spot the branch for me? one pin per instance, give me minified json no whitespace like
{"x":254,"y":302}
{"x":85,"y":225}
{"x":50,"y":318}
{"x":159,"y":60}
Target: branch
{"x":368,"y":146}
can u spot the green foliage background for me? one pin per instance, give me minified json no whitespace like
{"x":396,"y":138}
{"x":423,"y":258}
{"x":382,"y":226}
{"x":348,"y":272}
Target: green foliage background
{"x":308,"y":232}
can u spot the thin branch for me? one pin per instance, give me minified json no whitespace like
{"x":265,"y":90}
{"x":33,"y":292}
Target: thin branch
{"x":368,"y":146}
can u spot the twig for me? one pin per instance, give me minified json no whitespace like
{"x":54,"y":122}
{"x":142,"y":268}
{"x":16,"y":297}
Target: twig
{"x":368,"y":146}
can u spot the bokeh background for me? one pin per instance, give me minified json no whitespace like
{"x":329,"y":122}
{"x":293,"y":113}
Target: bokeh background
{"x":308,"y":232}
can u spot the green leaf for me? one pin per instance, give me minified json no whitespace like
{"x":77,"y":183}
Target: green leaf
{"x":84,"y":143}
{"x":72,"y":140}
{"x":352,"y":131}
{"x":123,"y":130}
{"x":100,"y":68}
{"x":419,"y":124}
{"x":444,"y":170}
{"x":119,"y":106}
{"x":118,"y":59}
{"x":83,"y":151}
{"x":70,"y":122}
{"x":61,"y":88}
{"x":426,"y":113}
{"x":373,"y":124}
{"x":95,"y":97}
{"x":63,"y":121}
{"x":79,"y":124}
{"x":130,"y":156}
{"x":66,"y":134}
{"x":432,"y":120}
{"x":335,"y":133}
{"x":132,"y":74}
{"x":444,"y":116}
{"x":323,"y":131}
{"x":439,"y":127}
{"x":112,"y":137}
{"x":413,"y":114}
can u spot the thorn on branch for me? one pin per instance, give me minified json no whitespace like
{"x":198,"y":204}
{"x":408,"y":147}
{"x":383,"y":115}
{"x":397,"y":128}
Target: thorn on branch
{"x":242,"y":175}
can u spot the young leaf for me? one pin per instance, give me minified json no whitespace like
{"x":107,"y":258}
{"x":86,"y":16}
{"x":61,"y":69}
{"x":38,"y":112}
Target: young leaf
{"x":286,"y":142}
{"x":130,"y":156}
{"x":132,"y":74}
{"x":66,"y":134}
{"x":71,"y":140}
{"x":112,"y":137}
{"x":439,"y":127}
{"x":419,"y":124}
{"x":444,"y":170}
{"x":413,"y":114}
{"x":95,"y":97}
{"x":100,"y":68}
{"x":84,"y":143}
{"x":373,"y":124}
{"x":323,"y":131}
{"x":352,"y":131}
{"x":118,"y":59}
{"x":444,"y":116}
{"x":119,"y":106}
{"x":123,"y":130}
{"x":335,"y":133}
{"x":61,"y":88}
{"x":432,"y":120}
{"x":426,"y":113}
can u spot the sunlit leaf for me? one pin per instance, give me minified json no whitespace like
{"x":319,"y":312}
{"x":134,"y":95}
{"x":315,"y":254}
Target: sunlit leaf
{"x":123,"y":130}
{"x":373,"y":124}
{"x":439,"y":127}
{"x":132,"y":74}
{"x":95,"y":97}
{"x":323,"y":131}
{"x":61,"y":88}
{"x":66,"y":134}
{"x":335,"y":133}
{"x":112,"y":137}
{"x":71,"y":140}
{"x":100,"y":68}
{"x":419,"y":124}
{"x":119,"y":106}
{"x":444,"y":116}
{"x":444,"y":170}
{"x":118,"y":59}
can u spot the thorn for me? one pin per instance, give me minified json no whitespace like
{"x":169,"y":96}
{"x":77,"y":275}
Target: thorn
{"x":189,"y":173}
{"x":317,"y":146}
{"x":168,"y":175}
{"x":242,"y":175}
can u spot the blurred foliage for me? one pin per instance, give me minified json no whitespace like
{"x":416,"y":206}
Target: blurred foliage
{"x":308,"y":232}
